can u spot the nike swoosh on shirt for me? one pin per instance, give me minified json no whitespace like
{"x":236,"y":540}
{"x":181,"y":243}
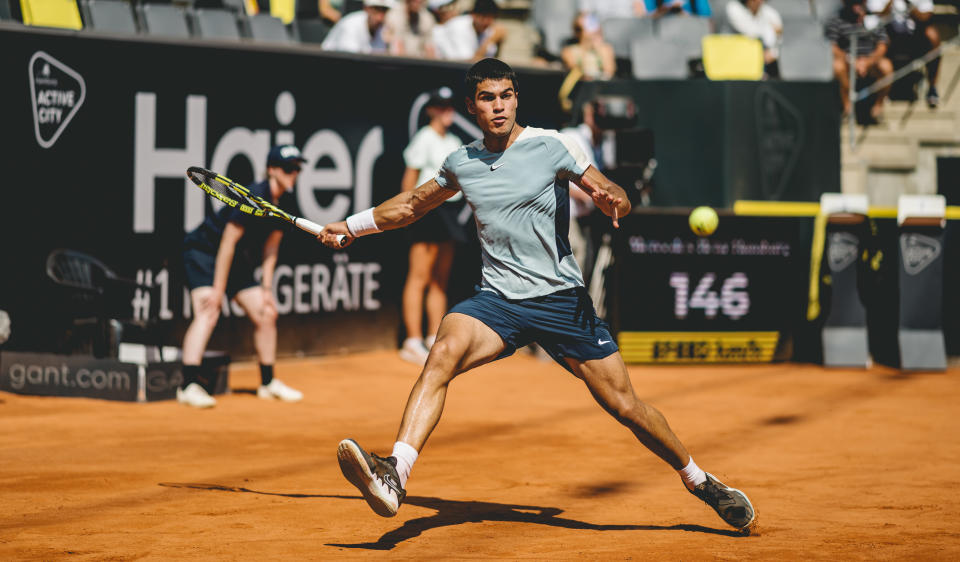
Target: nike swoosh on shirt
{"x":496,"y":165}
{"x":601,"y":342}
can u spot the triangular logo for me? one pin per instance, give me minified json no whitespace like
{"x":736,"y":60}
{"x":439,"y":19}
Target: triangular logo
{"x":780,"y":138}
{"x":56,"y":93}
{"x":918,"y":251}
{"x":842,"y":250}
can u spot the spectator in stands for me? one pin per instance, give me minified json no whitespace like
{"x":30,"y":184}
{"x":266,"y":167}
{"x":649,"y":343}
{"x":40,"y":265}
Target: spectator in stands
{"x":472,"y":36}
{"x":604,"y":9}
{"x":659,"y":8}
{"x":871,"y":59}
{"x":443,"y":10}
{"x":361,"y":31}
{"x":410,"y":28}
{"x":911,"y":34}
{"x":589,"y":54}
{"x":219,"y":258}
{"x":757,"y":19}
{"x":432,"y":238}
{"x":331,"y":10}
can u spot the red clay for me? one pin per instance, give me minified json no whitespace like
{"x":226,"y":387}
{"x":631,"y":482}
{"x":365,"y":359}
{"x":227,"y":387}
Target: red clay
{"x":840,"y":464}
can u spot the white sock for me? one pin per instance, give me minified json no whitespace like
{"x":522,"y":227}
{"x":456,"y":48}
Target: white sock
{"x":406,"y":456}
{"x":692,"y":475}
{"x":429,"y":341}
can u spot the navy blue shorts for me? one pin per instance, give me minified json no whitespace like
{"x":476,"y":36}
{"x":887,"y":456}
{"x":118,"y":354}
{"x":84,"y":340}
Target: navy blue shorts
{"x":564,"y":323}
{"x":199,"y":265}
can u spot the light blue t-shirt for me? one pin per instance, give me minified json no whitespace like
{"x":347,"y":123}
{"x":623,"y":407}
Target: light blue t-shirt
{"x":521,"y":205}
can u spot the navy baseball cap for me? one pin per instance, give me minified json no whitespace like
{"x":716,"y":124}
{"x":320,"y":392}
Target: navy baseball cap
{"x":284,"y":154}
{"x":441,"y":97}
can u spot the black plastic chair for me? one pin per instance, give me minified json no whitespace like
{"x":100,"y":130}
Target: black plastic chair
{"x":96,"y":303}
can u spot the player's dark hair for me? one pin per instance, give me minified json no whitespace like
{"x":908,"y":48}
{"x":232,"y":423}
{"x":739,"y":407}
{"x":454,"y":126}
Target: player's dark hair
{"x":488,"y":69}
{"x":485,"y":7}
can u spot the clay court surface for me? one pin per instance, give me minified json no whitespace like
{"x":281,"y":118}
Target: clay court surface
{"x":840,"y":464}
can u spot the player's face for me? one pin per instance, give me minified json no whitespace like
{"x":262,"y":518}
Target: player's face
{"x":495,"y":106}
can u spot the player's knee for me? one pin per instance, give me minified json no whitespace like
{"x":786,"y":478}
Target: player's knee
{"x":207,"y":317}
{"x":269,"y":316}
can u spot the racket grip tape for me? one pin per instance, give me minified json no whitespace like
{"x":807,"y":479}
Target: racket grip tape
{"x":314,"y":228}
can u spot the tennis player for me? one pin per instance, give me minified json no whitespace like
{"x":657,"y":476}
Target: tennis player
{"x":219,"y":258}
{"x":516,"y":180}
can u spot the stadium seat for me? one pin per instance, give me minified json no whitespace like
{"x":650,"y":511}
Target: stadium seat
{"x":653,"y":58}
{"x":619,"y":32}
{"x":166,"y":20}
{"x":806,"y":58}
{"x":544,"y":11}
{"x":310,"y":30}
{"x":216,"y":24}
{"x":6,"y":14}
{"x":284,"y":10}
{"x":267,"y":28}
{"x":685,"y":33}
{"x":732,"y":57}
{"x":109,"y":15}
{"x":51,"y":13}
{"x":826,"y":9}
{"x":556,"y":31}
{"x":237,"y":6}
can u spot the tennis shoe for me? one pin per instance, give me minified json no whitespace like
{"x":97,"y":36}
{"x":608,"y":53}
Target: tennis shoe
{"x":414,"y":351}
{"x":376,"y":477}
{"x":276,"y":390}
{"x":196,"y":396}
{"x":730,"y":504}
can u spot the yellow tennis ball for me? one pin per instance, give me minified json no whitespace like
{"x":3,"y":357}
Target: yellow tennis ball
{"x":703,"y":221}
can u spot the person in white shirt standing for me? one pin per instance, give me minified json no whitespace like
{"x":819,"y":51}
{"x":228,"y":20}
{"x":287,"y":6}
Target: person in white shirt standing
{"x":911,"y":33}
{"x":757,"y":19}
{"x":472,"y":36}
{"x":362,"y":31}
{"x":433,"y":238}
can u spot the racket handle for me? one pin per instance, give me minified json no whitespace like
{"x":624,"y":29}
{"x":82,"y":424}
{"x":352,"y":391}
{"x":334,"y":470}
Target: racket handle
{"x":315,"y":229}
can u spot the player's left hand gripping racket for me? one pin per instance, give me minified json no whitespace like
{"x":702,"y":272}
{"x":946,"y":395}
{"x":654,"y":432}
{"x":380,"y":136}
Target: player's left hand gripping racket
{"x":239,"y":197}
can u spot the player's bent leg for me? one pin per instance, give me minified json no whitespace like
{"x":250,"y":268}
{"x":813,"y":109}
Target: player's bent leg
{"x":463,"y":342}
{"x":609,"y":383}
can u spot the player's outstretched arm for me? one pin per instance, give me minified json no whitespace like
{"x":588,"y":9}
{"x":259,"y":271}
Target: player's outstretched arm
{"x":607,"y":196}
{"x":396,"y":212}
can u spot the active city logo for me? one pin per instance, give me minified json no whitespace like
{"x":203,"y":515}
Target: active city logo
{"x":56,"y":94}
{"x":843,"y":250}
{"x":918,"y":252}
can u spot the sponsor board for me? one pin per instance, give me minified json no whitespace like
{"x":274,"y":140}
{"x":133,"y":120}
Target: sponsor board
{"x":698,"y":347}
{"x":41,"y":374}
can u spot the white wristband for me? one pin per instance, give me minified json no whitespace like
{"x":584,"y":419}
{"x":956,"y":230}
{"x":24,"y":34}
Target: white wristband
{"x":362,"y":223}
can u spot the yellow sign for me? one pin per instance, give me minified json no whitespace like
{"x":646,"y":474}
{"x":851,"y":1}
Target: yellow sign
{"x":698,"y":347}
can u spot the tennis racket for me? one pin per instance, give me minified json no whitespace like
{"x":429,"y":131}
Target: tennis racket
{"x":239,"y":197}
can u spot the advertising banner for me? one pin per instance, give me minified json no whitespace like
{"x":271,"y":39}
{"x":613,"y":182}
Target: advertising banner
{"x":729,"y":297}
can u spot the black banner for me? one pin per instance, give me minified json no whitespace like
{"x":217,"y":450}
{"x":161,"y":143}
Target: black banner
{"x":748,"y":277}
{"x":98,"y":132}
{"x":44,"y":374}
